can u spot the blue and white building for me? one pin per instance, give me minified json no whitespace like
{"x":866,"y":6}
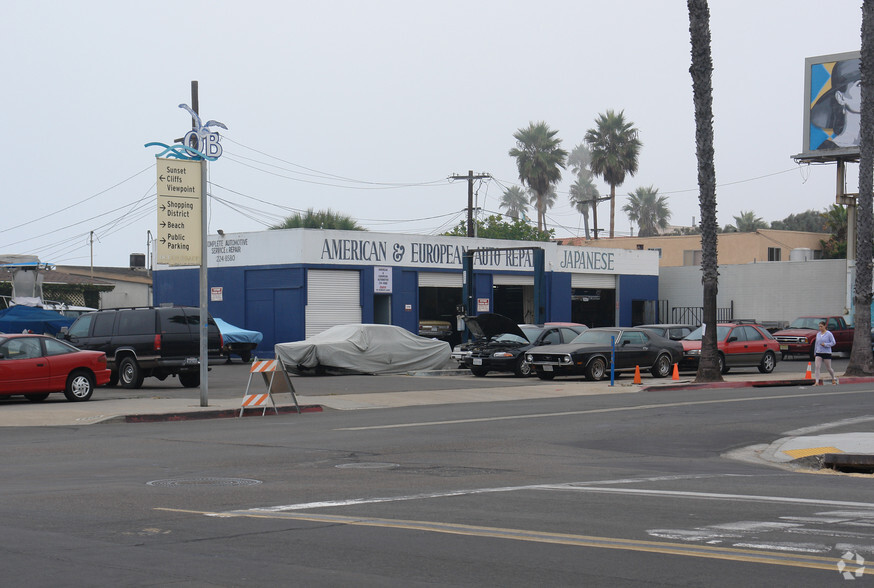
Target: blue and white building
{"x":291,"y":284}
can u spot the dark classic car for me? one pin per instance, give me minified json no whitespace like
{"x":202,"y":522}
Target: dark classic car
{"x":590,"y":354}
{"x":500,"y":343}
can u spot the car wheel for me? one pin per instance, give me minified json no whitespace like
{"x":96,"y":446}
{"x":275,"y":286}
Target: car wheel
{"x":522,"y":369}
{"x":769,"y":362}
{"x":596,"y":369}
{"x":129,"y":373}
{"x":190,"y":379}
{"x":37,"y":397}
{"x":720,"y":363}
{"x":113,"y":380}
{"x":662,"y":367}
{"x":545,"y":375}
{"x":246,"y":355}
{"x":479,"y":371}
{"x":80,"y":386}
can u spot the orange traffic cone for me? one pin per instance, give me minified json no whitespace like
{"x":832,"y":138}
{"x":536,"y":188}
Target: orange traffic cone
{"x":808,"y":375}
{"x":637,"y":374}
{"x":676,"y":375}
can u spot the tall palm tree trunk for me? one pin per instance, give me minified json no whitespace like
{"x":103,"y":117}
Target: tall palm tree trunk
{"x":612,"y":208}
{"x":861,"y":356}
{"x":701,"y":71}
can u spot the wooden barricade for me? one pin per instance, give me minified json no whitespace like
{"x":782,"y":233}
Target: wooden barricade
{"x":261,"y":399}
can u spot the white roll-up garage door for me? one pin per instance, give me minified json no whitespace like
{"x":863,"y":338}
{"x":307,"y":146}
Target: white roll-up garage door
{"x":604,"y":281}
{"x":512,"y":280}
{"x":333,"y":298}
{"x":439,"y":280}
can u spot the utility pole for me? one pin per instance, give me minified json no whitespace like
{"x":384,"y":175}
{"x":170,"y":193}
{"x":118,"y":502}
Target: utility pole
{"x":470,"y":178}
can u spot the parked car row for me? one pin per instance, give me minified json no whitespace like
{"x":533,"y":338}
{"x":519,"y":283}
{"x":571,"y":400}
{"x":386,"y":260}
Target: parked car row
{"x":548,"y":352}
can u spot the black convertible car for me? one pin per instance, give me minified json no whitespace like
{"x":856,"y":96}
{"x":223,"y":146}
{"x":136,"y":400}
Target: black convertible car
{"x":589,"y":354}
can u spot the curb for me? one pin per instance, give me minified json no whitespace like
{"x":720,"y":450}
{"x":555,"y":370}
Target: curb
{"x":753,"y":384}
{"x":209,"y":414}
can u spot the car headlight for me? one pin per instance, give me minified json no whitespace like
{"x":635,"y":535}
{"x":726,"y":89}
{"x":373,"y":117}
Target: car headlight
{"x":693,"y":352}
{"x":529,"y":358}
{"x":501,"y":354}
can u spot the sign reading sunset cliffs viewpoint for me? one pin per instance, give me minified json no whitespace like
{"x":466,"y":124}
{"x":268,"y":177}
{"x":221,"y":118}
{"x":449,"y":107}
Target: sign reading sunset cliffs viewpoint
{"x":179,"y":212}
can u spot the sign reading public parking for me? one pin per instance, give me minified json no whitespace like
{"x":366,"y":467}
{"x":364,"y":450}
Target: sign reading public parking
{"x":179,"y":204}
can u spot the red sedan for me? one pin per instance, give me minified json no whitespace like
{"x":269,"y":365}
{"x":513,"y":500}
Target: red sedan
{"x":740,"y":345}
{"x":37,"y":365}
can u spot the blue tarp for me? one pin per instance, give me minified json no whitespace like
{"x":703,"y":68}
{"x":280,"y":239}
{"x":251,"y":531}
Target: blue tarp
{"x":16,"y":319}
{"x":232,"y":334}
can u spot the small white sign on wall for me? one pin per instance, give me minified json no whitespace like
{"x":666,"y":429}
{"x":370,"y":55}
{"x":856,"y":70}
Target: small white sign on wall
{"x":381,"y":279}
{"x":215,"y":294}
{"x":482,"y":304}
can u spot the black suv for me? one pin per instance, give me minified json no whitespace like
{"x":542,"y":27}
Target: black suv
{"x":153,"y":341}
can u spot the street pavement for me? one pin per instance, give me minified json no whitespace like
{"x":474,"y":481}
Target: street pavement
{"x":167,"y":401}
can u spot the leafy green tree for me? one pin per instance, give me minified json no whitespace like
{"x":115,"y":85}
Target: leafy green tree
{"x":701,"y":71}
{"x":748,"y":222}
{"x":615,"y":147}
{"x":540,"y":159}
{"x":322,"y":219}
{"x":514,"y":201}
{"x":495,"y":227}
{"x":861,"y":357}
{"x":649,"y":210}
{"x":835,"y":222}
{"x":809,"y":221}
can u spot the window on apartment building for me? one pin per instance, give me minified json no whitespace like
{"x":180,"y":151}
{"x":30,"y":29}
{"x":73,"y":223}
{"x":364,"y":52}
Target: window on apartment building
{"x":692,"y":257}
{"x":774,"y":253}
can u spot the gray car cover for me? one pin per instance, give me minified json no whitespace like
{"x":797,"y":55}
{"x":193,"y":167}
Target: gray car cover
{"x":364,"y":349}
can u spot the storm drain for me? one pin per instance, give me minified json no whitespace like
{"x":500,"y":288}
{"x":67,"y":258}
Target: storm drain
{"x":204,"y":482}
{"x":372,"y":465}
{"x":850,"y":463}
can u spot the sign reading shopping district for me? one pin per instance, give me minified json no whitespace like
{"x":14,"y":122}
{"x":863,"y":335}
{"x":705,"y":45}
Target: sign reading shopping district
{"x":179,"y":204}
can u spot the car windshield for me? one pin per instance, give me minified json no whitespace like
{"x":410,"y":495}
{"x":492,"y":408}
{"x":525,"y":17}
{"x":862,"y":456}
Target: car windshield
{"x":531,"y":332}
{"x":597,"y":337}
{"x":806,"y":322}
{"x":721,"y":333}
{"x":510,"y":338}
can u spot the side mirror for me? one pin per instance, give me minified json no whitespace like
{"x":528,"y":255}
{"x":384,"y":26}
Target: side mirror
{"x":731,"y":339}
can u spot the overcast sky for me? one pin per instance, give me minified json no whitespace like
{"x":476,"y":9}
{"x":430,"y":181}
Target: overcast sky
{"x":367,"y":107}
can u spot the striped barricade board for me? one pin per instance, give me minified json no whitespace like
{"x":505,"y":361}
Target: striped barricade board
{"x":267,"y":368}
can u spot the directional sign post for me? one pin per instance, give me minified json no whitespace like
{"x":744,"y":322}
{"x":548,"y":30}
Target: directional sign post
{"x":179,"y":212}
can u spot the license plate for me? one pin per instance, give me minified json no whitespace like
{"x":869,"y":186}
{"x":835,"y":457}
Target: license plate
{"x":547,"y":368}
{"x":784,"y":347}
{"x":477,"y":361}
{"x":191,"y":361}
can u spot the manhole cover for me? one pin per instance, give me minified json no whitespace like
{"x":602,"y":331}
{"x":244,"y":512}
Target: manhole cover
{"x":204,"y":482}
{"x":368,"y":466}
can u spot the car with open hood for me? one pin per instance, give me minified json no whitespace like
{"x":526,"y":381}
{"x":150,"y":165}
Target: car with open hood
{"x":591,"y":352}
{"x":500,"y":344}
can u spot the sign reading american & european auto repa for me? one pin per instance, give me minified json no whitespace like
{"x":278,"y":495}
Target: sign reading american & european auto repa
{"x":179,"y":209}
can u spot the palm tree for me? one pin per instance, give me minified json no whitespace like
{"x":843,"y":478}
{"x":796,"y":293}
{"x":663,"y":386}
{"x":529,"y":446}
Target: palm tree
{"x":861,"y":357}
{"x":584,"y":196}
{"x":649,"y":210}
{"x":615,"y":148}
{"x":514,"y":201}
{"x":540,"y":159}
{"x":748,"y":222}
{"x":701,"y":71}
{"x":323,"y":219}
{"x":547,"y":201}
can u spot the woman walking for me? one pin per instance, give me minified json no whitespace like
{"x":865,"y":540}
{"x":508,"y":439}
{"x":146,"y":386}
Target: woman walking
{"x":823,"y":350}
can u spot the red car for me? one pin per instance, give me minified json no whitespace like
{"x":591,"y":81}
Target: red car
{"x":37,"y":365}
{"x":740,"y":345}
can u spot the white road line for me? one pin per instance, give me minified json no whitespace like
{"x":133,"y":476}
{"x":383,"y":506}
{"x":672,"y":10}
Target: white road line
{"x":600,"y":410}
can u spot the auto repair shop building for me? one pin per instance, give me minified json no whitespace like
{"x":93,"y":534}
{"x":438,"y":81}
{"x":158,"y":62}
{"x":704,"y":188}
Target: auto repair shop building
{"x":294,"y":283}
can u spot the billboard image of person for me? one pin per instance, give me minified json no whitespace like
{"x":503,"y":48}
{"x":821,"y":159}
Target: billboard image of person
{"x":833,"y":104}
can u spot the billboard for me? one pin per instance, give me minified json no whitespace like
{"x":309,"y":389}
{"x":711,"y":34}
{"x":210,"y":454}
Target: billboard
{"x":832,"y":106}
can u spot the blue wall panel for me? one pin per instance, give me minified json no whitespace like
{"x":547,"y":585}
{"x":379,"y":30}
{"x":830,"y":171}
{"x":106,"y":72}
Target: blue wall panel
{"x":405,"y":291}
{"x":558,"y":293}
{"x":635,"y":288}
